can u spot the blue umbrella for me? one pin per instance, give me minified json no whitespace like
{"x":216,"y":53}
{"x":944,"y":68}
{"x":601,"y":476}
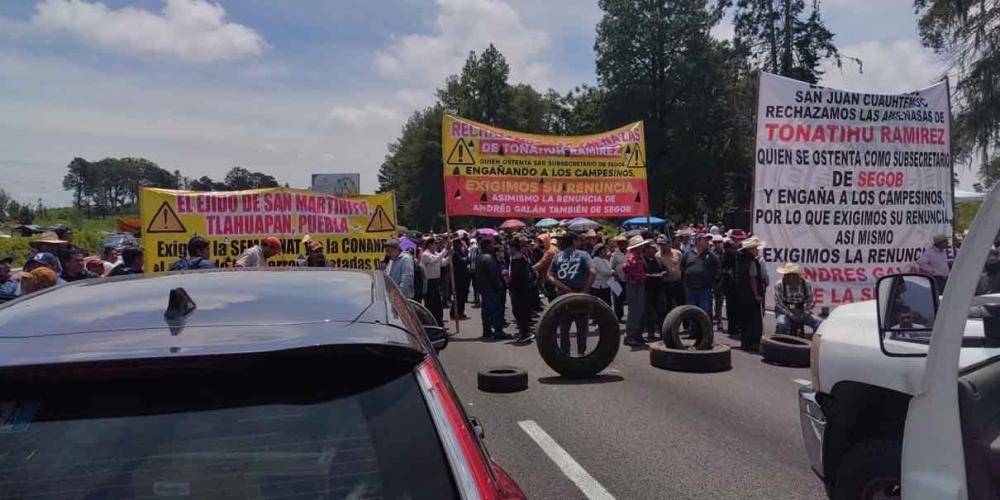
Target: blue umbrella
{"x":547,"y":223}
{"x":639,"y":221}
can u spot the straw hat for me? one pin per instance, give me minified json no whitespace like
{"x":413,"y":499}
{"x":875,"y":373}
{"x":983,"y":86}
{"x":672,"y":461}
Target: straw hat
{"x":596,"y":249}
{"x":789,"y":268}
{"x":637,"y":241}
{"x":590,"y":234}
{"x":620,"y":237}
{"x":49,"y":237}
{"x":751,"y":242}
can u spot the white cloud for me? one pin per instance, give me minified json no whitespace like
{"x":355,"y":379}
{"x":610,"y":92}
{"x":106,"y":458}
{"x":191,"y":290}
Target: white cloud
{"x":188,"y":30}
{"x":888,"y":67}
{"x":360,"y":117}
{"x":425,"y":60}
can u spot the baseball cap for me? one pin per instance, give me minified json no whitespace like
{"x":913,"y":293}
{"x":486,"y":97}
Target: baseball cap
{"x":273,"y":242}
{"x":44,"y":259}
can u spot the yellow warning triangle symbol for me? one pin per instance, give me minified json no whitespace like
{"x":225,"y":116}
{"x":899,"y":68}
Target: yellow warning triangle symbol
{"x":380,"y":222}
{"x":633,"y":156}
{"x":461,"y":154}
{"x":165,"y":221}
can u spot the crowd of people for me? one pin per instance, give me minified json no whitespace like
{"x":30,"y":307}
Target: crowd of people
{"x":640,"y":275}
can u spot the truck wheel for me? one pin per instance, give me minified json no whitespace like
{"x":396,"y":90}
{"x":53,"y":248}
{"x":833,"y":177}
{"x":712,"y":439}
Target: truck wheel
{"x":502,"y":379}
{"x":423,"y":314}
{"x":785,"y":350}
{"x":699,"y":323}
{"x":869,"y":470}
{"x":718,"y":358}
{"x":547,"y":339}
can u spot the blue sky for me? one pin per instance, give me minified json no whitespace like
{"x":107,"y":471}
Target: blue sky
{"x":294,"y":87}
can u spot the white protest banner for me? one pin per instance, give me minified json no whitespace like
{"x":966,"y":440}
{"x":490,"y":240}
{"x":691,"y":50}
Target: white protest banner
{"x":850,"y":186}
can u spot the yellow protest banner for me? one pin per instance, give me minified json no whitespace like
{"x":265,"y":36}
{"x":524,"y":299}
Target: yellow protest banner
{"x":351,"y":229}
{"x":489,"y":171}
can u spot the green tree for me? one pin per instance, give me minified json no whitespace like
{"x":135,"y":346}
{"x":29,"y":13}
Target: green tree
{"x":989,"y":173}
{"x":24,"y":214}
{"x":76,"y":180}
{"x":481,"y":92}
{"x":413,"y":169}
{"x":239,"y":178}
{"x":784,"y":37}
{"x":5,"y":201}
{"x":576,"y":113}
{"x":968,"y":33}
{"x":657,"y":62}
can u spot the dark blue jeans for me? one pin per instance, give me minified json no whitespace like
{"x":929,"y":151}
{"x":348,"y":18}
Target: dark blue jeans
{"x":701,"y":297}
{"x":491,"y":313}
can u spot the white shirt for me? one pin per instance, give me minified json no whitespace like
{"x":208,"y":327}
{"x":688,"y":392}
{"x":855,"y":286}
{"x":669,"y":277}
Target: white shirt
{"x":604,"y":272}
{"x":432,"y":263}
{"x":252,"y":257}
{"x":618,"y":264}
{"x":934,"y":262}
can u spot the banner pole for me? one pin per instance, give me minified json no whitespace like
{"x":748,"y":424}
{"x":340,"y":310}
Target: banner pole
{"x":451,"y":275}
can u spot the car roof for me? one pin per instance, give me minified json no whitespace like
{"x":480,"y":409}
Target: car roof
{"x":237,"y":311}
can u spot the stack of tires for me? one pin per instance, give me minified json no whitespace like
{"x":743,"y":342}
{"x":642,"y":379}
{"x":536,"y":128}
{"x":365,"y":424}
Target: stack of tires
{"x":701,"y":356}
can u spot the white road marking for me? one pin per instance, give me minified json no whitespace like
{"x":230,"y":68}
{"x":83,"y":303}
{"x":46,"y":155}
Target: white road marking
{"x":801,"y":381}
{"x":580,"y":477}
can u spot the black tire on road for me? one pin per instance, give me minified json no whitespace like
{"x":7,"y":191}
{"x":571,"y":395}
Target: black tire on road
{"x":503,"y":379}
{"x":786,"y":350}
{"x":547,"y":338}
{"x":718,"y":358}
{"x":870,"y":469}
{"x":423,"y":314}
{"x":700,"y":323}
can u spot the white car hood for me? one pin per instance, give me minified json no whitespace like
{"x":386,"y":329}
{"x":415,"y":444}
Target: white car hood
{"x":850,"y":351}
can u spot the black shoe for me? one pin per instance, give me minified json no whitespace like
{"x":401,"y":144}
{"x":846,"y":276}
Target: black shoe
{"x":502,"y":336}
{"x":524,"y":338}
{"x":486,"y":336}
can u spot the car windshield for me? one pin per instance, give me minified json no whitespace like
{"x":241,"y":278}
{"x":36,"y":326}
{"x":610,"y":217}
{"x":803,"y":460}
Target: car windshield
{"x":279,"y":431}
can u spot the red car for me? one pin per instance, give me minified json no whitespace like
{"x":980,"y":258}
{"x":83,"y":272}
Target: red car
{"x":232,"y":384}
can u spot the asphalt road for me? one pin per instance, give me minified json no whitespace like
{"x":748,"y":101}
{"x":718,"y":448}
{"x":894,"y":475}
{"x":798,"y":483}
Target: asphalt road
{"x":637,"y":431}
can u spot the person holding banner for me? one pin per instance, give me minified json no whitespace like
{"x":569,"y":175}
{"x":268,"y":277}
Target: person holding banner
{"x":433,"y":259}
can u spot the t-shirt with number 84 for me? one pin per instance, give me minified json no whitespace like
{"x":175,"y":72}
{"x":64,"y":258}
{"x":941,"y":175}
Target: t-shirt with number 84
{"x":572,"y":268}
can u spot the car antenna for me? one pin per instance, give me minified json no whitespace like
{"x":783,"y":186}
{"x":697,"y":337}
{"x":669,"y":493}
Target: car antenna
{"x":179,"y":305}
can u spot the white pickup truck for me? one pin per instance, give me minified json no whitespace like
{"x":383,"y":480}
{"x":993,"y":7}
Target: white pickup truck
{"x":905,"y":393}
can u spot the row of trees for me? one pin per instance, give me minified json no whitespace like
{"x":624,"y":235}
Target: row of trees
{"x":112,"y":184}
{"x":967,"y":33}
{"x":12,"y":210}
{"x":656,"y":61}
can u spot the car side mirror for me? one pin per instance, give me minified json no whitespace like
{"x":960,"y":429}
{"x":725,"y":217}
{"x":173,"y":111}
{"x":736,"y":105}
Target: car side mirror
{"x":907,"y":306}
{"x":437,"y":336}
